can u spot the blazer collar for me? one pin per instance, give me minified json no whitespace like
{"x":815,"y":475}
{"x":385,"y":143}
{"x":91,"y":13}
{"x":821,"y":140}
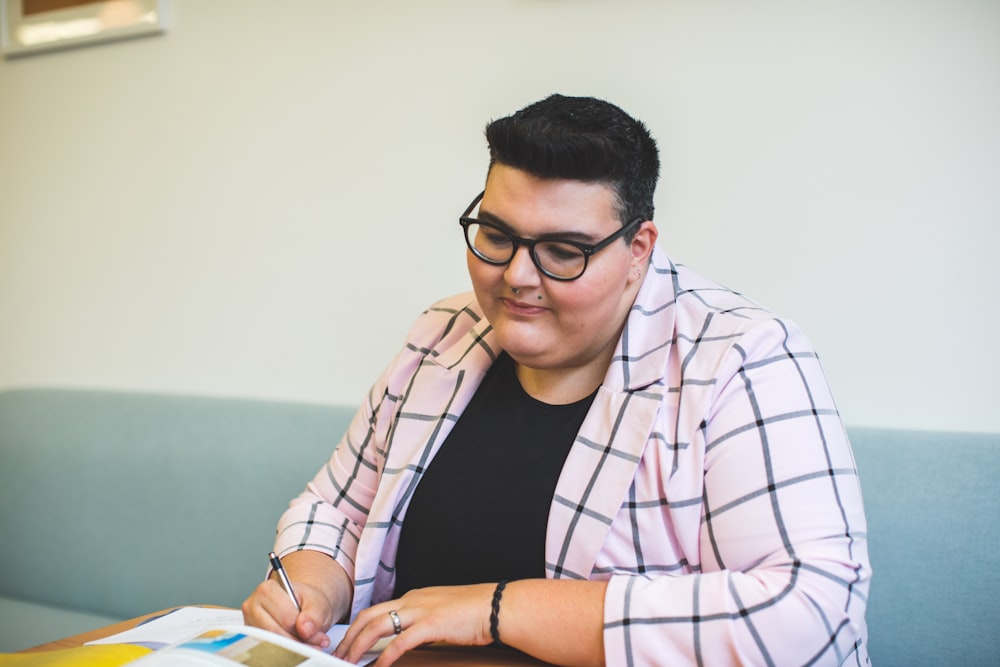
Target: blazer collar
{"x":602,"y":464}
{"x":640,"y":357}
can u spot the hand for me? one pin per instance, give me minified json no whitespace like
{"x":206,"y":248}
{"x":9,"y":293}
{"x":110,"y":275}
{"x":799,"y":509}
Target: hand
{"x":270,"y":608}
{"x":456,"y":614}
{"x":324,"y":590}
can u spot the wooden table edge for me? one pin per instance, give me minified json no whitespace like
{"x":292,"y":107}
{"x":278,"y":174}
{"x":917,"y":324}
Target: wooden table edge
{"x":75,"y":641}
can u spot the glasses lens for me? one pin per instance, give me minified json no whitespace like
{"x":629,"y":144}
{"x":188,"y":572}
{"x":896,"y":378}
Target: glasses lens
{"x":560,"y":260}
{"x":489,"y":243}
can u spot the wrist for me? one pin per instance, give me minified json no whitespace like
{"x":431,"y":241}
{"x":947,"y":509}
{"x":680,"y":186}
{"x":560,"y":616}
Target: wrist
{"x":495,"y":612}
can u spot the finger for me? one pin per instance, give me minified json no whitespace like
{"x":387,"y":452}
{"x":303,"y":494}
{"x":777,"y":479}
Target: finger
{"x":310,"y":632}
{"x":360,"y":637}
{"x":370,"y":626}
{"x":315,"y":617}
{"x":400,"y":644}
{"x":259,"y":609}
{"x":354,"y":629}
{"x":264,"y":609}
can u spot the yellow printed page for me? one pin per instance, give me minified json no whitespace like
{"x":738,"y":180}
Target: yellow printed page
{"x":109,"y":655}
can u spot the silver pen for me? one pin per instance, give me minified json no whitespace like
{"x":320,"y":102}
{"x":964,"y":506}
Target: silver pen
{"x":283,"y":578}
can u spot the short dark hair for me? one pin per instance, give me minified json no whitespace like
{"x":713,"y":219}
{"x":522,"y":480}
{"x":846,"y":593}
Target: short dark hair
{"x":584,"y":139}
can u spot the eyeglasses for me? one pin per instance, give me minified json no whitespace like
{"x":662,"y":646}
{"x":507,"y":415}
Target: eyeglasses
{"x":559,"y":259}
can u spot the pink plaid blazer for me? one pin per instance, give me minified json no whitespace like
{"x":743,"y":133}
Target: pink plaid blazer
{"x":711,"y":483}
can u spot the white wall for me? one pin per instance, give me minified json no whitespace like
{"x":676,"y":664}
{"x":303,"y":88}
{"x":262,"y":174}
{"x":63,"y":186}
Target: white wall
{"x":258,"y":203}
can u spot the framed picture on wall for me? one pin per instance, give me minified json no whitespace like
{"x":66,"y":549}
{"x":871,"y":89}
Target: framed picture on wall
{"x":34,"y":26}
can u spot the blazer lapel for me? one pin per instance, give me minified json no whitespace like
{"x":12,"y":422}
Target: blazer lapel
{"x":602,"y":464}
{"x":430,"y":403}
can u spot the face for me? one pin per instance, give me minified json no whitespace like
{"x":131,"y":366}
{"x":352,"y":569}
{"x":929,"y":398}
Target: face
{"x":547,"y":323}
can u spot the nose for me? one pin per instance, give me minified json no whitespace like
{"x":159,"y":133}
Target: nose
{"x":521,"y":271}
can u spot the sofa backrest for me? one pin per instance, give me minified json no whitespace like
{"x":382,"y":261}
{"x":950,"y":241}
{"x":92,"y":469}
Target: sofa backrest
{"x":933,"y":506}
{"x":123,"y":504}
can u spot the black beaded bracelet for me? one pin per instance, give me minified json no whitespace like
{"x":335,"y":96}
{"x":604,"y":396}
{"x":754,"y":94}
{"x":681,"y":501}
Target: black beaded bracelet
{"x":495,"y":614}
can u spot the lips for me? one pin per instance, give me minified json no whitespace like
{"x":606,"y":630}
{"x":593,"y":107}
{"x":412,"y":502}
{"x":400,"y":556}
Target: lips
{"x":521,"y":308}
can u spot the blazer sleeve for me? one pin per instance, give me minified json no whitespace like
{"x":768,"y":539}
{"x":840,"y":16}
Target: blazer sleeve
{"x":781,"y":574}
{"x":329,"y":515}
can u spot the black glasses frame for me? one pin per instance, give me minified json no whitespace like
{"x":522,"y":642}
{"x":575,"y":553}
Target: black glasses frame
{"x":587,"y":249}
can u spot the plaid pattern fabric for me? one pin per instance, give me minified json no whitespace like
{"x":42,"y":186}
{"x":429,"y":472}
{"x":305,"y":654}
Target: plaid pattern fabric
{"x":711,"y":483}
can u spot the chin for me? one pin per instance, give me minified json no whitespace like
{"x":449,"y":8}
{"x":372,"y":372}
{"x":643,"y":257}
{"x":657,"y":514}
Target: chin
{"x":522,"y":352}
{"x":531,"y":356}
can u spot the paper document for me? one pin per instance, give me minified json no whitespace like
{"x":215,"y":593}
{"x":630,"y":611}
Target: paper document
{"x":242,"y":645}
{"x":185,"y":623}
{"x":174,"y":626}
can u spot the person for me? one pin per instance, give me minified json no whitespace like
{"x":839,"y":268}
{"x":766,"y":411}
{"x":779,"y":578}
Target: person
{"x":596,"y":457}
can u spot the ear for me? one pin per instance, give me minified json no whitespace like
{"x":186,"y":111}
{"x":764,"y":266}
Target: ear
{"x":642,"y":248}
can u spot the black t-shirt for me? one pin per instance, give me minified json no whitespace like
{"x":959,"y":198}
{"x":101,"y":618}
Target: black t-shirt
{"x":480,"y":511}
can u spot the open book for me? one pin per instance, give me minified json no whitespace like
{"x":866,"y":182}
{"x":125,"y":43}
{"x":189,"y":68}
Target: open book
{"x":214,"y":636}
{"x":239,"y":645}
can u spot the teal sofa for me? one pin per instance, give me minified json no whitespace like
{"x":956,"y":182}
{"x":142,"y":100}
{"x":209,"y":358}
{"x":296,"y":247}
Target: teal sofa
{"x":114,"y":505}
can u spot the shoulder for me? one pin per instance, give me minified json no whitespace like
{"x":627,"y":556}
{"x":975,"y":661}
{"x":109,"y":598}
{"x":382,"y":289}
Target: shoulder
{"x":703,"y":298}
{"x":453,"y":332}
{"x":711,"y":320}
{"x":705,"y":307}
{"x":439,"y":333}
{"x":444,"y":321}
{"x":683,"y":323}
